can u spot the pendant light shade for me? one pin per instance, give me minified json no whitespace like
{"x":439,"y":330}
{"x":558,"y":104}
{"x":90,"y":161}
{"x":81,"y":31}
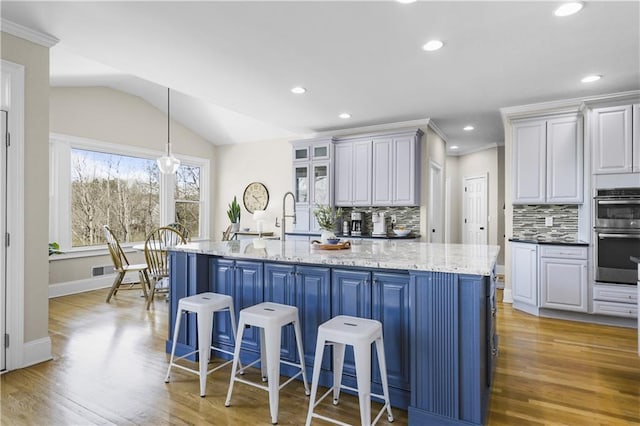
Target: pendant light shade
{"x":168,"y":164}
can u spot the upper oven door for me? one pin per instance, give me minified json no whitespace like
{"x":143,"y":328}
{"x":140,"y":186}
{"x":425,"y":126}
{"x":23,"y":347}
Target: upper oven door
{"x":617,"y":213}
{"x":613,"y":250}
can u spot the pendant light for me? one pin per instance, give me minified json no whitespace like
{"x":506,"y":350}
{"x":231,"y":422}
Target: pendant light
{"x":168,"y":164}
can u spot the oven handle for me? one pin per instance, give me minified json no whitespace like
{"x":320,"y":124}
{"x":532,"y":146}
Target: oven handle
{"x":618,"y":201}
{"x":632,"y":236}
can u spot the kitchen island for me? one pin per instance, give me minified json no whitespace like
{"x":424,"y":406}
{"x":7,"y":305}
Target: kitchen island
{"x":436,"y":303}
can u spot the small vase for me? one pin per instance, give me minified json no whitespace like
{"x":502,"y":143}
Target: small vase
{"x":326,"y":235}
{"x":235,"y":226}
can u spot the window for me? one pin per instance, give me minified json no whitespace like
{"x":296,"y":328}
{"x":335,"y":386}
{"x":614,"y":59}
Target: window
{"x":96,"y":183}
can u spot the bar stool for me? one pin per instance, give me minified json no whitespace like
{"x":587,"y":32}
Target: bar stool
{"x":270,"y":317}
{"x":359,"y":333}
{"x":203,"y":305}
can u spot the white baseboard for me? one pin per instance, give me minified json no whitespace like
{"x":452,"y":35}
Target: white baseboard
{"x":36,"y":351}
{"x":506,"y":296}
{"x":79,"y":286}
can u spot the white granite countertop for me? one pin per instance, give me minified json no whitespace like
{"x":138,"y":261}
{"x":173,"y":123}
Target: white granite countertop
{"x":382,"y":254}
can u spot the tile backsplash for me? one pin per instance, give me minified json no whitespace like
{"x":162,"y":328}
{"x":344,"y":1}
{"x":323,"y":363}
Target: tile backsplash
{"x":529,"y":221}
{"x":407,"y":216}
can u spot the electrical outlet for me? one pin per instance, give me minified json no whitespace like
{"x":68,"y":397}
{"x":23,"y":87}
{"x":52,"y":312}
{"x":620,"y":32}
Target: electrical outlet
{"x":393,"y":218}
{"x":548,"y":221}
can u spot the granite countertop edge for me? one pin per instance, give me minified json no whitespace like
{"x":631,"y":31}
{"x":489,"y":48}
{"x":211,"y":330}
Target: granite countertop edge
{"x":550,"y":242}
{"x":378,"y":254}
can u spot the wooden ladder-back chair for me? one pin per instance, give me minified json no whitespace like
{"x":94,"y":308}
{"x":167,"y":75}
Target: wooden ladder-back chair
{"x":181,"y":229}
{"x":157,"y":255}
{"x":122,"y":266}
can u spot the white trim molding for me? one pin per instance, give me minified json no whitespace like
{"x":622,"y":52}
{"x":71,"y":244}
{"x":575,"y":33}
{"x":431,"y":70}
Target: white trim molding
{"x":14,"y":101}
{"x":28,"y":34}
{"x":80,"y":286}
{"x":36,"y":351}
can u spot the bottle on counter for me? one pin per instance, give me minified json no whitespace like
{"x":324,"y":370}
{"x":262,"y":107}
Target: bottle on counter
{"x":345,"y":228}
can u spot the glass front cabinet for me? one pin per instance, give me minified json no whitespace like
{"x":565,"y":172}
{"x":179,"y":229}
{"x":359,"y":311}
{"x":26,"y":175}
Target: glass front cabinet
{"x":312,"y":179}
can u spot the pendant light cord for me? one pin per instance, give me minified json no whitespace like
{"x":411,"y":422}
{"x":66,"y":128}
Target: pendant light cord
{"x":168,"y":122}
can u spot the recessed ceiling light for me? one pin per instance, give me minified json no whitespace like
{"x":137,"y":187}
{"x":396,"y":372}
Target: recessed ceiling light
{"x":298,"y":90}
{"x":468,"y":128}
{"x":345,"y":115}
{"x":406,"y":1}
{"x":432,"y":45}
{"x":453,"y":147}
{"x":568,"y":8}
{"x":591,"y":78}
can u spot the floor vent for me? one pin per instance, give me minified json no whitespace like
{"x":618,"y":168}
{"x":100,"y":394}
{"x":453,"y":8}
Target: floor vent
{"x":97,"y":271}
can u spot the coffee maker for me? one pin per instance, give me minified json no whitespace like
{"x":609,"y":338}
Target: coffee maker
{"x":379,"y":224}
{"x":356,"y":223}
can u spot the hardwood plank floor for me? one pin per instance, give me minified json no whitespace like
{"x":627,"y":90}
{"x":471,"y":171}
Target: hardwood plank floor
{"x":109,"y":365}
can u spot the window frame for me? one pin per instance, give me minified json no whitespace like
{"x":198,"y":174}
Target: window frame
{"x":60,"y":146}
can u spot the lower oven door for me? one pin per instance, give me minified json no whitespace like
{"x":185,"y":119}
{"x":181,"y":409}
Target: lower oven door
{"x":613,"y":249}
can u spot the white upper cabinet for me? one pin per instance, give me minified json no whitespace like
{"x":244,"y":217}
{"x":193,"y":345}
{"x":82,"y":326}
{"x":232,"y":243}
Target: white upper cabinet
{"x":564,"y":160}
{"x":394,"y":171}
{"x":612,"y":137}
{"x":529,"y":157}
{"x":343,"y":174}
{"x":548,"y":160}
{"x":353,"y":173}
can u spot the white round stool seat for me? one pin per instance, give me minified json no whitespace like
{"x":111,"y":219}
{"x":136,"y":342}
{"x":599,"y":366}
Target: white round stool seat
{"x":359,"y":333}
{"x":203,"y":305}
{"x":270,"y":318}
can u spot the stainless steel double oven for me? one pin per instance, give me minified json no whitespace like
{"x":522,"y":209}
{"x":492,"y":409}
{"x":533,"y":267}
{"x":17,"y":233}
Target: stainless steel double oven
{"x":617,"y":234}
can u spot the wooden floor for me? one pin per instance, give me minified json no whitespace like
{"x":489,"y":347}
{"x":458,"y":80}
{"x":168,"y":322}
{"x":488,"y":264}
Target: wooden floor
{"x":109,"y":366}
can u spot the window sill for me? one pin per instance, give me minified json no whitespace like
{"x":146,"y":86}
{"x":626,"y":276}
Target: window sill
{"x":78,"y":253}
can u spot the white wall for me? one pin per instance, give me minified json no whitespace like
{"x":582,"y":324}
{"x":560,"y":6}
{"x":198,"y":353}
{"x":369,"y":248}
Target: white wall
{"x":455,"y":199}
{"x":237,"y":166}
{"x":434,"y":149}
{"x":109,"y":115}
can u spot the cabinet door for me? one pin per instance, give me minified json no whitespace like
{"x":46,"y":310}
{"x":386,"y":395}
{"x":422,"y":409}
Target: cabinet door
{"x":350,"y":295}
{"x":529,"y":157}
{"x":405,"y":175}
{"x":313,"y":291}
{"x":248,"y":291}
{"x":636,"y":138}
{"x":362,"y":173}
{"x":303,"y":219}
{"x":390,"y":300}
{"x":383,"y":169}
{"x":524,"y":273}
{"x":612,"y":144}
{"x":564,"y":160}
{"x":223,"y":283}
{"x":301,"y":182}
{"x":343,"y":174}
{"x":279,"y":287}
{"x":563,"y":284}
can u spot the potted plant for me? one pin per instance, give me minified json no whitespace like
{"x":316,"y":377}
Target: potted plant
{"x":327,"y":217}
{"x":233,"y":212}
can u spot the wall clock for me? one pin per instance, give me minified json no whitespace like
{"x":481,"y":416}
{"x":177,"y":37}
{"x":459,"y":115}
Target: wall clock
{"x":256,"y":197}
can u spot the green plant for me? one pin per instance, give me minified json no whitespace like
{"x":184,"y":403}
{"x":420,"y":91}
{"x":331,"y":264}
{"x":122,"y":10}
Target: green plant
{"x":234,"y":211}
{"x":54,"y":248}
{"x":327,"y":217}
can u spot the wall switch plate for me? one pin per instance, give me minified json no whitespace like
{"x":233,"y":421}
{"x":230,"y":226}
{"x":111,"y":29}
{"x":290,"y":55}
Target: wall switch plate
{"x":548,"y":221}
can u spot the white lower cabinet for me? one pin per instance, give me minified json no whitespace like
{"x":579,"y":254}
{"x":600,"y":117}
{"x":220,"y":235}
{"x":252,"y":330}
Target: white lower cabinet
{"x":617,"y":300}
{"x":524,"y":273}
{"x":563,"y":284}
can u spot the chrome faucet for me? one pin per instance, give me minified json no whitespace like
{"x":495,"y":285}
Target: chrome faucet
{"x":285,"y":215}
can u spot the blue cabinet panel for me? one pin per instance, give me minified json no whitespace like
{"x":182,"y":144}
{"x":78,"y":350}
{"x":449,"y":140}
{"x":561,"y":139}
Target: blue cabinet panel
{"x":313,"y":291}
{"x":221,"y":281}
{"x":279,"y":287}
{"x":391,"y":307}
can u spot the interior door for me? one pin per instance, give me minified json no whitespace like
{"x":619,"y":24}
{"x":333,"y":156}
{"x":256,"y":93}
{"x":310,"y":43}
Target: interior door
{"x":475,"y":210}
{"x":3,"y":230}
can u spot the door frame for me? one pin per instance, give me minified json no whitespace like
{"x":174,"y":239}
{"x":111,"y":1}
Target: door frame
{"x":14,"y":87}
{"x":484,"y":176}
{"x":435,"y":204}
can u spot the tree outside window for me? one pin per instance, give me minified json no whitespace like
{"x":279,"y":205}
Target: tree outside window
{"x":187,"y":198}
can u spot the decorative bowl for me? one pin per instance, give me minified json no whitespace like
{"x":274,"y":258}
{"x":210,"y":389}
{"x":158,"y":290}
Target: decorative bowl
{"x":333,"y":240}
{"x":402,"y":232}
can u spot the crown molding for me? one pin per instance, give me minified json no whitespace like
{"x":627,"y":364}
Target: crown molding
{"x":473,"y":150}
{"x":438,"y":132}
{"x":23,"y":32}
{"x":422,"y":123}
